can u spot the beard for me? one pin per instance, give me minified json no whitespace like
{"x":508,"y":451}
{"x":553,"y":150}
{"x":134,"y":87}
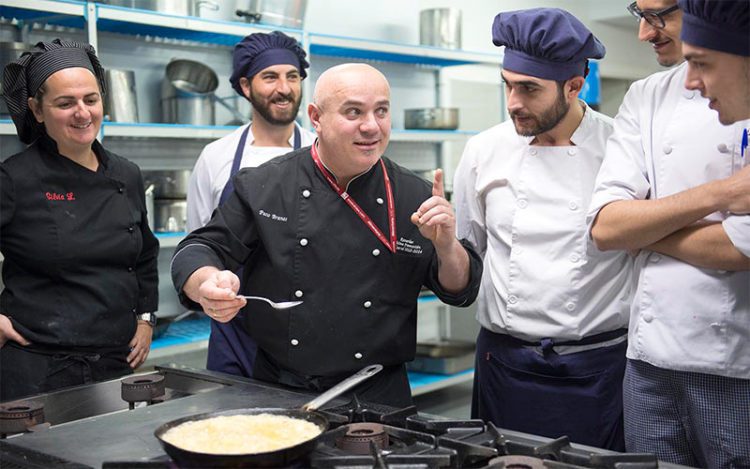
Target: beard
{"x":263,"y":107}
{"x":544,"y":122}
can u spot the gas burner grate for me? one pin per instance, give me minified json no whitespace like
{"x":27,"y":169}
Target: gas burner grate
{"x":20,"y":416}
{"x":148,"y":388}
{"x":359,"y":438}
{"x":448,"y":428}
{"x":357,"y":412}
{"x":555,"y":454}
{"x":406,"y":449}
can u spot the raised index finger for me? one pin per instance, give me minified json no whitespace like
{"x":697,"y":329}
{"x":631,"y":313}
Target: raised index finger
{"x":437,"y":184}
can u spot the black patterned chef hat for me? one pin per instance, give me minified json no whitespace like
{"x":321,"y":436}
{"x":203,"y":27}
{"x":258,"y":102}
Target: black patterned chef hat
{"x":24,"y":76}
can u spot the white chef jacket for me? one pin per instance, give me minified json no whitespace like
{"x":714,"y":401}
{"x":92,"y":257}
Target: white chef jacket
{"x":211,"y":171}
{"x":524,"y":209}
{"x":666,"y":140}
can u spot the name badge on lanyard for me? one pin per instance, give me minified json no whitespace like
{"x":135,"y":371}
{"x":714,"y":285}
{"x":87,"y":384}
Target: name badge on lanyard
{"x":389,"y":243}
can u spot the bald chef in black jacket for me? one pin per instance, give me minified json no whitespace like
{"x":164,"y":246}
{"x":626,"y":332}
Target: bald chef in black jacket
{"x":342,"y":228}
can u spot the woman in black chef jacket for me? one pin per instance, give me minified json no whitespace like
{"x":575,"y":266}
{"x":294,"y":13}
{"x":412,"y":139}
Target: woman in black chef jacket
{"x":80,"y":267}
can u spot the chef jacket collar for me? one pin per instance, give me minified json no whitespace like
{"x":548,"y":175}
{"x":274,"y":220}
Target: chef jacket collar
{"x":50,"y":145}
{"x":354,"y":181}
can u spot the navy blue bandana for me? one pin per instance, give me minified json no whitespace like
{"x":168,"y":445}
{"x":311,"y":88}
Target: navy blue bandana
{"x":259,"y":51}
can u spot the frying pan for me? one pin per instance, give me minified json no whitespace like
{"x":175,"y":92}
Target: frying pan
{"x":280,"y":457}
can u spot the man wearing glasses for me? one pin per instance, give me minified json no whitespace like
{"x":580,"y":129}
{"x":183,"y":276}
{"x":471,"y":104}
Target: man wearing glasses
{"x":663,"y":35}
{"x":666,"y":189}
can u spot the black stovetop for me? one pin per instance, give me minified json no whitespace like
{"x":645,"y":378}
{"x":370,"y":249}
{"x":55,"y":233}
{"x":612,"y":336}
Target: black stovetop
{"x":92,"y":427}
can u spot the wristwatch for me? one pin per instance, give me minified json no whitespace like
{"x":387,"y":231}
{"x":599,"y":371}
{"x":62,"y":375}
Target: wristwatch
{"x":150,"y":318}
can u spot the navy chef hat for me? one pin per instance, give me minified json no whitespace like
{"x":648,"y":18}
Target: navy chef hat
{"x":24,"y":76}
{"x":723,"y":26}
{"x":260,"y":50}
{"x":547,"y":43}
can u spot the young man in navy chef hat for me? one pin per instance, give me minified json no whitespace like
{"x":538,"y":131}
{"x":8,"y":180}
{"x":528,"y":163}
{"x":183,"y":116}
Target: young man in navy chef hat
{"x":716,"y":44}
{"x":671,"y":190}
{"x":268,"y":72}
{"x":551,"y":350}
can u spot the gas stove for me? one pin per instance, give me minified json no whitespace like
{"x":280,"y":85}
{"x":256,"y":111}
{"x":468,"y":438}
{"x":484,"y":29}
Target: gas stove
{"x":111,"y":425}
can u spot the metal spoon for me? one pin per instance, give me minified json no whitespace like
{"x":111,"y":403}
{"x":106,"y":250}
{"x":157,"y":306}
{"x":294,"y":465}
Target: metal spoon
{"x":274,"y":305}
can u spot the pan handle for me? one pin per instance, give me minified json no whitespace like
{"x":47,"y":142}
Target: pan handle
{"x":342,"y":387}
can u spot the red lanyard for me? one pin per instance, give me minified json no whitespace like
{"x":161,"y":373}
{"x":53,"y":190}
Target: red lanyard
{"x":357,"y":209}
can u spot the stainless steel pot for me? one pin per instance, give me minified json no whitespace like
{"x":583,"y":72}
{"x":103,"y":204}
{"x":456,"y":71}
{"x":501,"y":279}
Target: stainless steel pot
{"x":287,"y":13}
{"x":120,"y":104}
{"x":168,"y":184}
{"x":9,"y":51}
{"x":440,"y":27}
{"x":224,"y":10}
{"x":187,"y":93}
{"x":170,"y":216}
{"x":435,"y":118}
{"x":150,"y":205}
{"x":170,"y":7}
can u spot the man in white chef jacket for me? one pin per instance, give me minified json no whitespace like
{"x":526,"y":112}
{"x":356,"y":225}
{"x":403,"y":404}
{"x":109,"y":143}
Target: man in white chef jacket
{"x":551,"y":350}
{"x":268,"y":70}
{"x":669,"y":189}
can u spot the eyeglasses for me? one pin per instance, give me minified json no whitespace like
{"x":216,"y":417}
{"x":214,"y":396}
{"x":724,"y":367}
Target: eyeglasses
{"x":653,"y":17}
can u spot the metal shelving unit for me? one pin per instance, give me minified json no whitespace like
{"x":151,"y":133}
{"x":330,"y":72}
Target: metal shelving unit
{"x":156,"y":130}
{"x":339,"y":46}
{"x":133,"y":21}
{"x":116,"y":129}
{"x":94,"y":18}
{"x":422,"y":383}
{"x":208,"y":132}
{"x":7,"y":127}
{"x":58,"y":12}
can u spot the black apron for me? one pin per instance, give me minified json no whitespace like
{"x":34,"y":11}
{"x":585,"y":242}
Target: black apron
{"x":230,"y":348}
{"x":30,"y":370}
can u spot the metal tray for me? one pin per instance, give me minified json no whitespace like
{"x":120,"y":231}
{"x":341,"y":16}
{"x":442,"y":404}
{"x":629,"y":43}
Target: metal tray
{"x":445,"y":348}
{"x":443,"y":357}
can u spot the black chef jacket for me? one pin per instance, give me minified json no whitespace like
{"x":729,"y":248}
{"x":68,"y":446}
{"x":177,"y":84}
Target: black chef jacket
{"x":80,"y":258}
{"x":298,"y":240}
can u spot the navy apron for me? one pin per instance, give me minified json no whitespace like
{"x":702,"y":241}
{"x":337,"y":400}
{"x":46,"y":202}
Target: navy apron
{"x":528,"y":387}
{"x":230,"y":348}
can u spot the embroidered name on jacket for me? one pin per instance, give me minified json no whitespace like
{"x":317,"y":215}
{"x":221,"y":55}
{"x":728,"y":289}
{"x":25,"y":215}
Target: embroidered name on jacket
{"x":272,"y":216}
{"x":56,"y":196}
{"x":408,"y":246}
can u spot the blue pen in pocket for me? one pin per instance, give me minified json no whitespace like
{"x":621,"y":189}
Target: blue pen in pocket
{"x":743,"y":145}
